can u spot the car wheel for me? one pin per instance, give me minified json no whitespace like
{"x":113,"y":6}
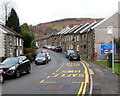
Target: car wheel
{"x":17,"y":73}
{"x":28,"y":70}
{"x":69,"y":58}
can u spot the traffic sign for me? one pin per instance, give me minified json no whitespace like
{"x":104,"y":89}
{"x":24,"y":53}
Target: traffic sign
{"x":107,"y":48}
{"x":106,"y":51}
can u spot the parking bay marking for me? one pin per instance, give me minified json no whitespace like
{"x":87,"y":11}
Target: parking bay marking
{"x":72,"y":73}
{"x":67,"y":73}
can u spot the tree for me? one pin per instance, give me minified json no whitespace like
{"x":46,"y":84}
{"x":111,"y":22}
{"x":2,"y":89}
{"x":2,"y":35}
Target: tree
{"x":28,"y":35}
{"x":5,"y":8}
{"x":13,"y":21}
{"x":117,"y":42}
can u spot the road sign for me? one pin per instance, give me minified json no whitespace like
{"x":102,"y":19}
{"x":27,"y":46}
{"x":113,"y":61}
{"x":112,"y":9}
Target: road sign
{"x":106,"y":51}
{"x":107,"y":48}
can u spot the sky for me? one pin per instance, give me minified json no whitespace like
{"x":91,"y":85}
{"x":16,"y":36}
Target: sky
{"x":35,"y":12}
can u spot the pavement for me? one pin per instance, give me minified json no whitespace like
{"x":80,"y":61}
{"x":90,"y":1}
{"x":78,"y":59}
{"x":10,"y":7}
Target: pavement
{"x":104,"y":81}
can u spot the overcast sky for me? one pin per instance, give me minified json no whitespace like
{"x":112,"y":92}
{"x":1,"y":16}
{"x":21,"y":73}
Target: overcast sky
{"x":41,"y":11}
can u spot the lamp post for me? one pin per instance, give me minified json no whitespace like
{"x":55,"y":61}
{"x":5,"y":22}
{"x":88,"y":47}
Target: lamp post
{"x":112,"y":53}
{"x":110,"y":32}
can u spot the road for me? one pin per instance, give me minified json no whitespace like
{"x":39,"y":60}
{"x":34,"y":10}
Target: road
{"x":59,"y":76}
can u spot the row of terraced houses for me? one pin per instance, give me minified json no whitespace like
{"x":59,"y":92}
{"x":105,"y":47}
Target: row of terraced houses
{"x":86,"y":38}
{"x":11,"y":43}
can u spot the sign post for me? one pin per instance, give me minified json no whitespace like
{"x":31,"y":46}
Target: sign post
{"x":110,"y":32}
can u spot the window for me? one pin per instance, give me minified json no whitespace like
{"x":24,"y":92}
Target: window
{"x":77,"y":38}
{"x":20,"y":42}
{"x":77,"y":47}
{"x":11,"y":52}
{"x":85,"y":50}
{"x":17,"y":52}
{"x":17,"y":41}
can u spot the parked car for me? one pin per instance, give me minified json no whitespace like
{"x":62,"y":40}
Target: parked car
{"x":53,"y":48}
{"x":45,"y":46}
{"x":41,"y":59}
{"x":48,"y":55}
{"x":68,"y":53}
{"x":15,"y":66}
{"x":74,"y":56}
{"x":44,"y":51}
{"x":58,"y":49}
{"x":49,"y":47}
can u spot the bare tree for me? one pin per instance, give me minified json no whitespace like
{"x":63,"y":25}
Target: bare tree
{"x":5,"y":8}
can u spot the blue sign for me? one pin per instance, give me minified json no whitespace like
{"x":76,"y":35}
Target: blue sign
{"x":107,"y":48}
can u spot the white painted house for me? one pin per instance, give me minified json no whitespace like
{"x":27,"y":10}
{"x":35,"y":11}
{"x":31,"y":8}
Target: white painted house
{"x":2,"y":43}
{"x":11,"y":43}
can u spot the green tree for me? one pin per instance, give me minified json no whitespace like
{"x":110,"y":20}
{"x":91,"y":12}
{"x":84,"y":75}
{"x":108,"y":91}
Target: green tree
{"x":117,"y":42}
{"x":13,"y":21}
{"x":27,"y":34}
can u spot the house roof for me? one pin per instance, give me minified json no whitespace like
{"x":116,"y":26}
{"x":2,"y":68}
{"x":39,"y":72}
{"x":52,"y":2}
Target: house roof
{"x":70,"y":29}
{"x":70,"y":32}
{"x":82,"y":27}
{"x":10,"y":31}
{"x":3,"y":30}
{"x":62,"y":31}
{"x":88,"y":27}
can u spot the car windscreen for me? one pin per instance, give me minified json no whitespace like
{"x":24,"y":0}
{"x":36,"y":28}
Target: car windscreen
{"x":41,"y":55}
{"x":10,"y":61}
{"x":70,"y":51}
{"x":58,"y":47}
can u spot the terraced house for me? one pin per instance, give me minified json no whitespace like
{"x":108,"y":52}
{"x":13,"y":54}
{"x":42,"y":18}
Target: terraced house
{"x":87,"y":38}
{"x":11,"y":43}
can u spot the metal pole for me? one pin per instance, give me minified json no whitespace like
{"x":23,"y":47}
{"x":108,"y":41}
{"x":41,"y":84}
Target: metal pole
{"x":112,"y":53}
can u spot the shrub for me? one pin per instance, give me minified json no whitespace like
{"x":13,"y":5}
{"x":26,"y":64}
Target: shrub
{"x":30,"y":53}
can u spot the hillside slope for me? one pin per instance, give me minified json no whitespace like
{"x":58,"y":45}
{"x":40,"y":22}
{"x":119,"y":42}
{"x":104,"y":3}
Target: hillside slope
{"x":48,"y":28}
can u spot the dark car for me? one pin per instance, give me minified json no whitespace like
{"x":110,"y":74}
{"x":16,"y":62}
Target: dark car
{"x":41,"y":59}
{"x":58,"y":49}
{"x":15,"y":66}
{"x":68,"y":53}
{"x":74,"y":56}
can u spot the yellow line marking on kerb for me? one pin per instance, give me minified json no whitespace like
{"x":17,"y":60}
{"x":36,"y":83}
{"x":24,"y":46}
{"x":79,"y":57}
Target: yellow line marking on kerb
{"x":86,"y":81}
{"x":80,"y":90}
{"x":42,"y":81}
{"x":48,"y":76}
{"x":86,"y":73}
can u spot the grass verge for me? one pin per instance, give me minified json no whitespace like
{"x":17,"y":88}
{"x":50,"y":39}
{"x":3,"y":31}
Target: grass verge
{"x":105,"y":64}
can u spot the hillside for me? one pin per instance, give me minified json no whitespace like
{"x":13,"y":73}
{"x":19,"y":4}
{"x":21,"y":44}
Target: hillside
{"x":67,"y":22}
{"x":48,"y":28}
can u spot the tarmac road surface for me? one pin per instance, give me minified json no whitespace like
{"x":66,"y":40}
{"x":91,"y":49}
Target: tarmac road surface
{"x":59,"y":76}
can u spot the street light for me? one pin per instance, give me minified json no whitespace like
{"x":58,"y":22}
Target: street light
{"x":110,"y":32}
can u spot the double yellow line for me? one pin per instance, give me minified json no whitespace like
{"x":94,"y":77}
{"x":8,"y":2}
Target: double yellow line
{"x":83,"y":86}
